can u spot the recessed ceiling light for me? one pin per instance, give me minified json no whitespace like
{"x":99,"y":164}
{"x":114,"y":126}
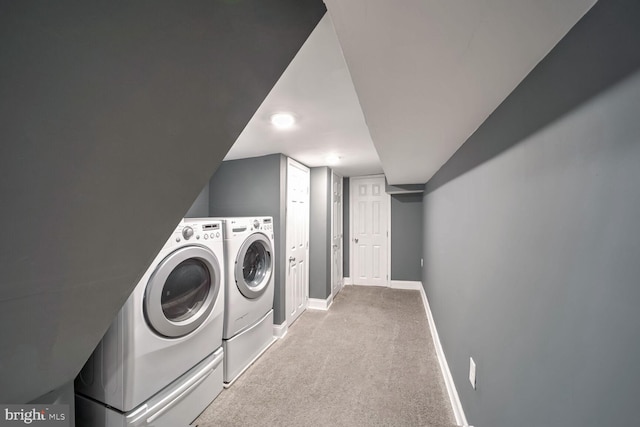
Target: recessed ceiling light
{"x":283,"y":120}
{"x":333,"y":159}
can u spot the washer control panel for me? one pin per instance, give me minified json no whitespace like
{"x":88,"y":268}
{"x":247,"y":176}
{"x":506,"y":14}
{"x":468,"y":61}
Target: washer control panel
{"x":199,"y":231}
{"x":187,"y":232}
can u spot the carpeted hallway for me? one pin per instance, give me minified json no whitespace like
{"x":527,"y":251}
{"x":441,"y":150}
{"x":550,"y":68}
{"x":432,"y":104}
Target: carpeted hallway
{"x":368,"y":361}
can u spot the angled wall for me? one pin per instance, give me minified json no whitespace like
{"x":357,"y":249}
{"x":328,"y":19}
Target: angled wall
{"x":531,"y":239}
{"x":113,"y":117}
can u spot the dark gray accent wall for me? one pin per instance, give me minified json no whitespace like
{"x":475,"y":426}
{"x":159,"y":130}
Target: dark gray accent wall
{"x":406,"y":237}
{"x":113,"y":116}
{"x":320,"y":233}
{"x":200,"y":206}
{"x":346,"y":224}
{"x":255,"y":187}
{"x":531,"y":239}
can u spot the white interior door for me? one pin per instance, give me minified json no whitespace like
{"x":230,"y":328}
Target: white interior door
{"x":370,"y":207}
{"x":297,"y":251}
{"x":336,"y":234}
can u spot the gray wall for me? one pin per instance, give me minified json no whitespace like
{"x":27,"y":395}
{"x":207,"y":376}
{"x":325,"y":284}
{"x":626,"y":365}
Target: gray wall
{"x":406,"y":237}
{"x":320,"y":233}
{"x":531,"y":239}
{"x":346,"y":231}
{"x":251,"y":187}
{"x":113,"y":117}
{"x":200,"y":206}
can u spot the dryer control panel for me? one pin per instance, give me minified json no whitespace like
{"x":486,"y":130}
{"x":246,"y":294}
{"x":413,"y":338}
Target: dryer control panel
{"x":263,"y":224}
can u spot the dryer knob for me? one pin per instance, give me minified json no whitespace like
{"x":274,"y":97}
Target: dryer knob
{"x":256,"y":224}
{"x":187,"y":232}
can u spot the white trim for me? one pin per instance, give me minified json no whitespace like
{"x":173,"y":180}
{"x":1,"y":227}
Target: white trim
{"x":406,"y":284}
{"x":384,"y":178}
{"x":456,"y":405}
{"x":320,"y":304}
{"x":351,"y":197}
{"x":350,"y":237}
{"x":347,"y":281}
{"x":333,"y":223}
{"x":279,"y":331}
{"x":294,"y":163}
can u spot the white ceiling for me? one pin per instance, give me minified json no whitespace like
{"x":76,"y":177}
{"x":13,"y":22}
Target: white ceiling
{"x":317,"y":89}
{"x":427,"y":73}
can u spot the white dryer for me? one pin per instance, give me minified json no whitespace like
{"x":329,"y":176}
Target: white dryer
{"x":161,"y":361}
{"x":249,"y":252}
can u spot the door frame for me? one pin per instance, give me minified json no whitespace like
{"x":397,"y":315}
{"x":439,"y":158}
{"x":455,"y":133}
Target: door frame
{"x":285,"y":264}
{"x":351,"y":210}
{"x":334,"y":173}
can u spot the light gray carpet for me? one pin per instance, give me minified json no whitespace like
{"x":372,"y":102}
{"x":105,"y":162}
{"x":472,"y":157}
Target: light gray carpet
{"x":368,"y":361}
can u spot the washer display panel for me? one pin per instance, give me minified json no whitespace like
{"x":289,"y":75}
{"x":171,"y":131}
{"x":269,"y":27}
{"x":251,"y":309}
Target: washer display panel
{"x":182,"y":291}
{"x":254,"y":265}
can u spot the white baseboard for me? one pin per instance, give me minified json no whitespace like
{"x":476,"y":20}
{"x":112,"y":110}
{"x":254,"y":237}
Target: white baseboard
{"x":320,"y":304}
{"x":383,"y":285}
{"x":279,"y":331}
{"x":406,"y":284}
{"x":456,"y":405}
{"x":347,"y":281}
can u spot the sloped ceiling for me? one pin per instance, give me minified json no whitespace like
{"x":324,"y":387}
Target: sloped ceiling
{"x":317,"y":89}
{"x":428,"y":72}
{"x":112,"y":118}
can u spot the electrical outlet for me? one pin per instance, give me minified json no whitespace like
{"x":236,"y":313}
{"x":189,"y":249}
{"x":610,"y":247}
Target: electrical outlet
{"x":472,"y":372}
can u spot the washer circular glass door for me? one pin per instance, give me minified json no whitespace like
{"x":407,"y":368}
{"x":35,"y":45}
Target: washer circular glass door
{"x":182,"y":291}
{"x":254,"y":265}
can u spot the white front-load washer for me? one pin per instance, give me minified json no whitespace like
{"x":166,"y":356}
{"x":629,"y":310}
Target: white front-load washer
{"x":249,"y":252}
{"x":161,"y":361}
